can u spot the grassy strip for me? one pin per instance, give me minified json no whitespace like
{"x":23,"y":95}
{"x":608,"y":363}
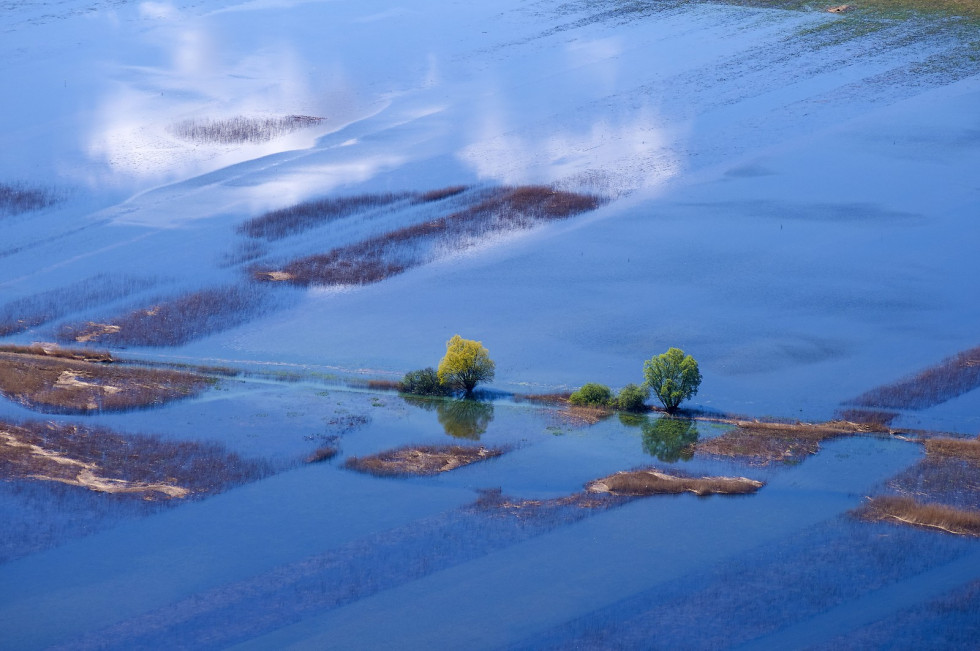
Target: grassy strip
{"x":654,"y":482}
{"x":241,"y":129}
{"x":421,"y":460}
{"x":948,"y":379}
{"x":762,"y":444}
{"x":173,"y":322}
{"x":53,"y":350}
{"x":277,"y":224}
{"x":60,"y":385}
{"x":906,"y":510}
{"x":105,"y":461}
{"x":376,"y":258}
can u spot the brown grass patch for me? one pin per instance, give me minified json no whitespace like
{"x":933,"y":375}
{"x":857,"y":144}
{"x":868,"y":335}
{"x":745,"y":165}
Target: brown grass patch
{"x":905,"y":510}
{"x":760,"y":443}
{"x":384,"y":385}
{"x":105,"y":461}
{"x":421,"y":460}
{"x":56,"y":351}
{"x":873,"y":419}
{"x":60,"y":385}
{"x":655,"y":482}
{"x":966,"y":449}
{"x":172,"y":322}
{"x":543,"y":398}
{"x":376,"y":258}
{"x":948,"y":379}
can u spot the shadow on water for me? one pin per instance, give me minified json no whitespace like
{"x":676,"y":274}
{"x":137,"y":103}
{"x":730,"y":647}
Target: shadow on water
{"x":667,"y":438}
{"x":461,"y":419}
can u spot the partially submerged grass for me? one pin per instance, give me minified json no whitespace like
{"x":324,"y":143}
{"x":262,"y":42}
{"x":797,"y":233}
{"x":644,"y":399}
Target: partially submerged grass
{"x":656,"y":482}
{"x":174,"y":321}
{"x":16,"y":198}
{"x":441,"y":193}
{"x":71,"y":385}
{"x":421,"y":460}
{"x":105,"y":461}
{"x":380,"y":257}
{"x":873,"y":419}
{"x":24,"y":313}
{"x":494,"y":502}
{"x":241,"y":129}
{"x":760,"y":443}
{"x":277,"y":224}
{"x":948,"y":379}
{"x":323,"y":453}
{"x":908,"y":511}
{"x":54,"y":350}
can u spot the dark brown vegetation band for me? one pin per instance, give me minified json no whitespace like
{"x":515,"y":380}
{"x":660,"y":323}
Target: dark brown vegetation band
{"x":948,"y":379}
{"x":383,"y":256}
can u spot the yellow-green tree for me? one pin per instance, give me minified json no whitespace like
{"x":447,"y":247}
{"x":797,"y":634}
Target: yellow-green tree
{"x":466,"y":363}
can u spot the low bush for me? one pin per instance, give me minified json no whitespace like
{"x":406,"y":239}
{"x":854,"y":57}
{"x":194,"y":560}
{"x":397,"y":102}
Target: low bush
{"x":592,"y":394}
{"x":423,"y":382}
{"x":632,"y":398}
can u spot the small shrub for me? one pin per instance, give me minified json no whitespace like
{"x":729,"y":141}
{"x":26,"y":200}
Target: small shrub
{"x":592,"y":395}
{"x":632,"y":398}
{"x":423,"y":382}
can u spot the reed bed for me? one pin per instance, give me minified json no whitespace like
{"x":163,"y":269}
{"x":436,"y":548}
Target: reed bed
{"x":421,"y":460}
{"x":965,"y":449}
{"x":241,"y":129}
{"x":948,"y":379}
{"x":71,"y":385}
{"x":380,"y":257}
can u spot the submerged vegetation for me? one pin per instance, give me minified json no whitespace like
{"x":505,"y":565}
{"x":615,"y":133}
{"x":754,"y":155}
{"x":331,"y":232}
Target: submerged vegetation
{"x":19,"y":198}
{"x":761,"y":443}
{"x":948,"y":379}
{"x":241,"y":129}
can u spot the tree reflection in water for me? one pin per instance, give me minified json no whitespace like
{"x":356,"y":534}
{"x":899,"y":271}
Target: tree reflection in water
{"x":462,"y":419}
{"x":670,"y":439}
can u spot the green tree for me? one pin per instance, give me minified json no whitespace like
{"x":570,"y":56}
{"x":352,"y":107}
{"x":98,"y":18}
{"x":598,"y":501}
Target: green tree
{"x":466,"y":363}
{"x":631,"y":398}
{"x":591,"y":394}
{"x":672,"y":377}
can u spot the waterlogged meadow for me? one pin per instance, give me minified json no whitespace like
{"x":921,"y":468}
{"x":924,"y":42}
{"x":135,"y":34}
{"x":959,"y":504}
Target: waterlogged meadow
{"x":228,"y":229}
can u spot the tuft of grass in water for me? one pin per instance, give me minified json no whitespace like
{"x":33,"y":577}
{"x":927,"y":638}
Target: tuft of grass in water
{"x":380,"y":257}
{"x":948,"y":379}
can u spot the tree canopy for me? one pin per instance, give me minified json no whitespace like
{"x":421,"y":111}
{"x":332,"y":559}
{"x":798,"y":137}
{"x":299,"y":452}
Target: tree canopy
{"x":672,"y":377}
{"x":466,"y":363}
